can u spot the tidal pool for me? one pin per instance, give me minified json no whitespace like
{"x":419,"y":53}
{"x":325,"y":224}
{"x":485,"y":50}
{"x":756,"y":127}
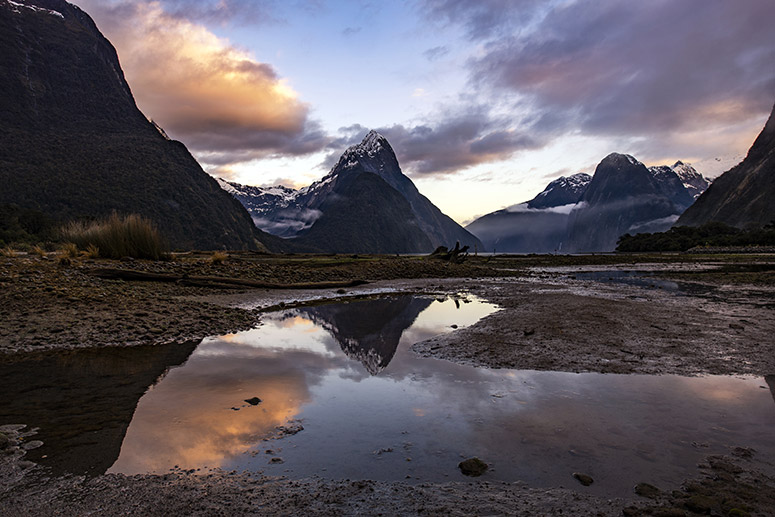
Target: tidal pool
{"x":371,"y":409}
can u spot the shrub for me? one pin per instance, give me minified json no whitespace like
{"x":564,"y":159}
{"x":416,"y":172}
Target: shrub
{"x":117,"y":237}
{"x":218,"y":257}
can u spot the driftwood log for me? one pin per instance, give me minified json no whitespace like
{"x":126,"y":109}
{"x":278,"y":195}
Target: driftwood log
{"x":214,"y":281}
{"x":456,"y":256}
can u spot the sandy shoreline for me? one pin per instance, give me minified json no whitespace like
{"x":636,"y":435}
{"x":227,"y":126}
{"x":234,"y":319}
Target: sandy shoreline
{"x":548,"y":321}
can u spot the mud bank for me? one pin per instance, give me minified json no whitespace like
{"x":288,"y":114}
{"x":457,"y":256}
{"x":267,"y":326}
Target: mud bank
{"x":563,"y":324}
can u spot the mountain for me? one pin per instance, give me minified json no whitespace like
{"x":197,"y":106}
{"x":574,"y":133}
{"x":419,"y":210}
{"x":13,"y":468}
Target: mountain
{"x":694,"y":182}
{"x":538,"y":226}
{"x":589,"y":213}
{"x":565,"y":190}
{"x":275,"y":210}
{"x":365,"y":204}
{"x":73,"y":143}
{"x":671,"y":186}
{"x":624,"y":197}
{"x":742,"y":196}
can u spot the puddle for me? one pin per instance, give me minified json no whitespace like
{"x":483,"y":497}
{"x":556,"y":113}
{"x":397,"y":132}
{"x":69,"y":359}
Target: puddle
{"x":646,"y":279}
{"x":341,"y":396}
{"x":754,"y":297}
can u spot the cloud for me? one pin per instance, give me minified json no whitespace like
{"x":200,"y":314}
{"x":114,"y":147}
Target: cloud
{"x":562,"y":209}
{"x":446,"y":144}
{"x":432,"y":54}
{"x":223,"y":11}
{"x":483,"y":18}
{"x":218,"y":99}
{"x":351,"y":31}
{"x":653,"y":70}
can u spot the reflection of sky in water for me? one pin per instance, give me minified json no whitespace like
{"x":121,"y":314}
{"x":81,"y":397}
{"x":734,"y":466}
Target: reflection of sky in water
{"x":534,"y":426}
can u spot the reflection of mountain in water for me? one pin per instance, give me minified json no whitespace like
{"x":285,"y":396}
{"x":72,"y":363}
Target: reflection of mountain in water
{"x":770,"y":380}
{"x":83,"y":400}
{"x":369,"y":330}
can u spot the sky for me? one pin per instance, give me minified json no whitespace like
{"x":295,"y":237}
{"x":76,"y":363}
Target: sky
{"x":484,"y":102}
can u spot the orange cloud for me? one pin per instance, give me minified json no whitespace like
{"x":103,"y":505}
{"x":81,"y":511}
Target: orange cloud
{"x":215,"y":97}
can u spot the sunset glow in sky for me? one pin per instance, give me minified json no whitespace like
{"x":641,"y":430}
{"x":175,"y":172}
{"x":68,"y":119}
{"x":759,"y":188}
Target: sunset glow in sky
{"x":484,"y":102}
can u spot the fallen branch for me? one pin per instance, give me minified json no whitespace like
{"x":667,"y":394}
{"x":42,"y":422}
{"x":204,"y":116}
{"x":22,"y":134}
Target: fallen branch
{"x":213,"y":281}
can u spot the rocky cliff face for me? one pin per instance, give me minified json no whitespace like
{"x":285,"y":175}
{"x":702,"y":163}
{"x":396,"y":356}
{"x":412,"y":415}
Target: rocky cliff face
{"x":73,"y":143}
{"x":743,"y":196}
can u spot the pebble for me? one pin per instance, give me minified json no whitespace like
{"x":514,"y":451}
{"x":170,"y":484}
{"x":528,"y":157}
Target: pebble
{"x":472,"y":467}
{"x":584,"y":479}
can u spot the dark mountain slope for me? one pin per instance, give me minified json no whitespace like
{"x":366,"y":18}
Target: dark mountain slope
{"x":74,"y":145}
{"x":744,"y":195}
{"x":375,"y":155}
{"x":364,"y":215}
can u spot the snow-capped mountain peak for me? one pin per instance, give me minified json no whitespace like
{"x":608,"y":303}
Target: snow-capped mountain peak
{"x":562,"y":191}
{"x":694,"y":182}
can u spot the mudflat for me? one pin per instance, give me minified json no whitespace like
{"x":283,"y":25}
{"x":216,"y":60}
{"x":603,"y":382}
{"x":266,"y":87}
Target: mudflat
{"x":671,"y":314}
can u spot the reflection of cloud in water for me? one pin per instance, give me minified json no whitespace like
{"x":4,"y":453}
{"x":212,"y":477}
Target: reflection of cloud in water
{"x":187,"y":420}
{"x":273,"y":335}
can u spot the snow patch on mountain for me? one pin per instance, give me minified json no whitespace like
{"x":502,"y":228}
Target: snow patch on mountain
{"x":15,"y":7}
{"x":694,"y":182}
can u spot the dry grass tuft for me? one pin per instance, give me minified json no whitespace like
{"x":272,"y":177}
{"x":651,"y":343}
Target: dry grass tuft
{"x":69,"y":250}
{"x":7,"y":252}
{"x":38,"y":251}
{"x":92,"y":251}
{"x":117,"y":237}
{"x":218,"y":257}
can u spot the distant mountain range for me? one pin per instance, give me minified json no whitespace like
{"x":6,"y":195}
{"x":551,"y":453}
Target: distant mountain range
{"x":73,"y":144}
{"x":365,"y":205}
{"x":744,"y":196}
{"x":588,"y":213}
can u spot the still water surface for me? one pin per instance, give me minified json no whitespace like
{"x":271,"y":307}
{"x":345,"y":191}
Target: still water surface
{"x":370,"y":408}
